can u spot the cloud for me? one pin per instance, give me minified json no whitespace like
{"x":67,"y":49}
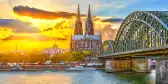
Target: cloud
{"x":32,"y":37}
{"x":18,"y":26}
{"x":41,"y":14}
{"x":48,"y":29}
{"x":120,"y":6}
{"x":107,"y":19}
{"x":114,"y":4}
{"x":109,"y":33}
{"x":113,"y":20}
{"x":10,"y":3}
{"x":108,"y":25}
{"x":110,"y":5}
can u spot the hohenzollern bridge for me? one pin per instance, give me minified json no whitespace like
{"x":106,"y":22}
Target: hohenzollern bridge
{"x":142,"y":37}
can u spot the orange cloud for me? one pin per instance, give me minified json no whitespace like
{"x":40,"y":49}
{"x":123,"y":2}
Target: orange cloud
{"x":60,"y":25}
{"x":41,"y":14}
{"x":32,"y":37}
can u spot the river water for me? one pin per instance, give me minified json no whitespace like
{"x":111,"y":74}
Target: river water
{"x":75,"y":77}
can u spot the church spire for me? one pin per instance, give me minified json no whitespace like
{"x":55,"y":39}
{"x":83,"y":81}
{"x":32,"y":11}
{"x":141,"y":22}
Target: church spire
{"x":78,"y":25}
{"x":89,"y":24}
{"x":78,"y":14}
{"x":89,"y":14}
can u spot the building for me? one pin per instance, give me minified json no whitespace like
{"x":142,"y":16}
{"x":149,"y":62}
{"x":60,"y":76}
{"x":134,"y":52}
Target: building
{"x":54,"y":50}
{"x":86,"y":41}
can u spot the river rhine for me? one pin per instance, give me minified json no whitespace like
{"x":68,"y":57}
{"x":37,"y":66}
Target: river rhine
{"x":79,"y":77}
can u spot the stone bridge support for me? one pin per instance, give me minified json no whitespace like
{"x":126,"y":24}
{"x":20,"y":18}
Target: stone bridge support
{"x":127,"y":65}
{"x":141,"y":65}
{"x":162,"y":71}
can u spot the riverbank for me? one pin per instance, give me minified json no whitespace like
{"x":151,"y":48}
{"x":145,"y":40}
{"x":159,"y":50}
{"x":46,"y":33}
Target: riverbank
{"x":35,"y":67}
{"x":38,"y":67}
{"x":44,"y":67}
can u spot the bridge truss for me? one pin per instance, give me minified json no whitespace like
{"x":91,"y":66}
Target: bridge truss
{"x":140,"y":31}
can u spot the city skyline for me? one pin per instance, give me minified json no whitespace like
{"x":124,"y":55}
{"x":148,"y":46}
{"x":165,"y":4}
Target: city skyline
{"x":61,"y":41}
{"x":38,"y":32}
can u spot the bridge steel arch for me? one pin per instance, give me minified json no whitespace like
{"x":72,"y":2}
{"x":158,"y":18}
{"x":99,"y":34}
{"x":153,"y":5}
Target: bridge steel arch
{"x":141,"y":30}
{"x":141,"y":34}
{"x":108,"y":47}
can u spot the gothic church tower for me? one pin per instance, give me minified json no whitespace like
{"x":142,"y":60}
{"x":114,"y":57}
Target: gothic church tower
{"x":89,"y":30}
{"x":78,"y":25}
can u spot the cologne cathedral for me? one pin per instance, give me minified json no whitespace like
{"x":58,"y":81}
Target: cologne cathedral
{"x":82,"y":41}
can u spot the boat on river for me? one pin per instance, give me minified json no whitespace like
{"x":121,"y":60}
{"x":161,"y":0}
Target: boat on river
{"x":80,"y":68}
{"x":16,"y":67}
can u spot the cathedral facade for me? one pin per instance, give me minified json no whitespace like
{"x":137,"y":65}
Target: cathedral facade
{"x":82,"y":41}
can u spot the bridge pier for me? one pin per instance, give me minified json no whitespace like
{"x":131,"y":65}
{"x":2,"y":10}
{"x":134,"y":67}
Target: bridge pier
{"x":161,"y":71}
{"x":141,"y":65}
{"x":127,"y":65}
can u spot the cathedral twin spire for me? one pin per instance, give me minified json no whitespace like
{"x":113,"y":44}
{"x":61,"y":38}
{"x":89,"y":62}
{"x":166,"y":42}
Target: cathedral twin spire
{"x":88,"y":26}
{"x":78,"y":24}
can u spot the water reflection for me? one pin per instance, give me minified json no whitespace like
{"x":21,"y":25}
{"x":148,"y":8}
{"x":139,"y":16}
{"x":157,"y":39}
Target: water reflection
{"x":81,"y":77}
{"x":34,"y":78}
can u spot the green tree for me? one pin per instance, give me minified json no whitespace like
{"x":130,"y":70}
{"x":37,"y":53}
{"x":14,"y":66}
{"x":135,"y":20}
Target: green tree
{"x":87,"y":53}
{"x":67,"y":57}
{"x":78,"y":56}
{"x":37,"y":57}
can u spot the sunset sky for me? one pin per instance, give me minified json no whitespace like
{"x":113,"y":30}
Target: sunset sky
{"x":38,"y":24}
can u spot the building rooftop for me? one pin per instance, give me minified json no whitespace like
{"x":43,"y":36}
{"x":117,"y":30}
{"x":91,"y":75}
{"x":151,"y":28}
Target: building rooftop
{"x":91,"y":37}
